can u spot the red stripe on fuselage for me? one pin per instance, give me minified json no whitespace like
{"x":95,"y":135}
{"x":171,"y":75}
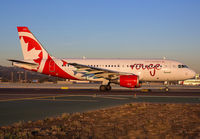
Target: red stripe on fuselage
{"x":56,"y":70}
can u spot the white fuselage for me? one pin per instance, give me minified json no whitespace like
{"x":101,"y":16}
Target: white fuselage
{"x":146,"y":69}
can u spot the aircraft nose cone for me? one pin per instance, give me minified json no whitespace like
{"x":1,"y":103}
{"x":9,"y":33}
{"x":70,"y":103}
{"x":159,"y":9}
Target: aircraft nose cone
{"x":192,"y":74}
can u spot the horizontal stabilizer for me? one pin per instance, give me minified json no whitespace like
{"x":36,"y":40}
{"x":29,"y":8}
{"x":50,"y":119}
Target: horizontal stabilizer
{"x":22,"y":62}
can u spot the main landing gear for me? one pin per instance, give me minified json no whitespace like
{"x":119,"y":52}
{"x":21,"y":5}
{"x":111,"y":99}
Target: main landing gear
{"x":105,"y":87}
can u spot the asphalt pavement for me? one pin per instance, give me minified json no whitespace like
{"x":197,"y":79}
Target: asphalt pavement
{"x":24,"y":104}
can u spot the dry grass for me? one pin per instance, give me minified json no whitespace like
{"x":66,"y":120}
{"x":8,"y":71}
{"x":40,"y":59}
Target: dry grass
{"x":135,"y":120}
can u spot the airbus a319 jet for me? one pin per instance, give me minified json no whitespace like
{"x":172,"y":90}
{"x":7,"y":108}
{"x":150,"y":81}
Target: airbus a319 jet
{"x":128,"y":73}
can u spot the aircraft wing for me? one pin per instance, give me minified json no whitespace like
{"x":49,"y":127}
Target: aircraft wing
{"x":97,"y":72}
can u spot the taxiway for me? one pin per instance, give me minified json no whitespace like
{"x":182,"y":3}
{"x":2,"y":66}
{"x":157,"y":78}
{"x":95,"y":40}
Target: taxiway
{"x":23,"y":104}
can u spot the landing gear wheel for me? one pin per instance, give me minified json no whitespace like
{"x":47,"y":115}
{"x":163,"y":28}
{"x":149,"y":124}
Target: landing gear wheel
{"x":108,"y":87}
{"x":102,"y":88}
{"x":105,"y":88}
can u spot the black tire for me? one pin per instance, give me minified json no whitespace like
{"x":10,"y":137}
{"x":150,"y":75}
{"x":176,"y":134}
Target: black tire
{"x":108,"y":87}
{"x":102,"y":88}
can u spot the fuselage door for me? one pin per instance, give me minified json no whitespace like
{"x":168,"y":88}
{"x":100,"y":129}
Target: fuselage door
{"x":167,"y":68}
{"x":51,"y":66}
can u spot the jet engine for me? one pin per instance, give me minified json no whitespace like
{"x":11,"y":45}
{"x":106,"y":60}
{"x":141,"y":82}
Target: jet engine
{"x":129,"y":81}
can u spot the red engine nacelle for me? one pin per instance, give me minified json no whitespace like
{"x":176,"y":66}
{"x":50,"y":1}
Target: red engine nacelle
{"x":129,"y":81}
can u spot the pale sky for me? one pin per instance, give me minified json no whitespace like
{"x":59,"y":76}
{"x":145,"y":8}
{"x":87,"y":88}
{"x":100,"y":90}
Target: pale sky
{"x":105,"y":28}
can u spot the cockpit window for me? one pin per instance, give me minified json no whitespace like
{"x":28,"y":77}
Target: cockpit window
{"x":185,"y":66}
{"x":182,"y":66}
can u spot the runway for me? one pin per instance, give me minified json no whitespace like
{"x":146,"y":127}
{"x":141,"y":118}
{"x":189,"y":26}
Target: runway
{"x":24,"y":104}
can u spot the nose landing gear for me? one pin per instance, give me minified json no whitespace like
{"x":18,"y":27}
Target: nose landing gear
{"x":166,"y":89}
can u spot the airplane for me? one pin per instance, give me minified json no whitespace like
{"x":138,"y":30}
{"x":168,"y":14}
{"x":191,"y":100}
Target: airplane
{"x":129,"y":73}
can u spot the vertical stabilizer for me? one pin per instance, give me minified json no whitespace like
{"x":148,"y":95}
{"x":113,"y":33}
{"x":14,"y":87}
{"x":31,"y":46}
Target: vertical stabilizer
{"x":31,"y":47}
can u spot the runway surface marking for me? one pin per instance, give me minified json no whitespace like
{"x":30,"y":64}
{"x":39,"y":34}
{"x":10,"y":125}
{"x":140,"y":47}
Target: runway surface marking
{"x":31,"y":98}
{"x":110,"y":97}
{"x":68,"y":100}
{"x":117,"y":97}
{"x":24,"y":94}
{"x":168,"y":96}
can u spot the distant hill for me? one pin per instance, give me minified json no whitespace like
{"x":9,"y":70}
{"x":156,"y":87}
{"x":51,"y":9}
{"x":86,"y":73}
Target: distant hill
{"x":8,"y":74}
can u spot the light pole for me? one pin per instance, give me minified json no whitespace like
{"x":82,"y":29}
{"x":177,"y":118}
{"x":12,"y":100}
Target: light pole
{"x":25,"y":76}
{"x":20,"y":75}
{"x":12,"y":79}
